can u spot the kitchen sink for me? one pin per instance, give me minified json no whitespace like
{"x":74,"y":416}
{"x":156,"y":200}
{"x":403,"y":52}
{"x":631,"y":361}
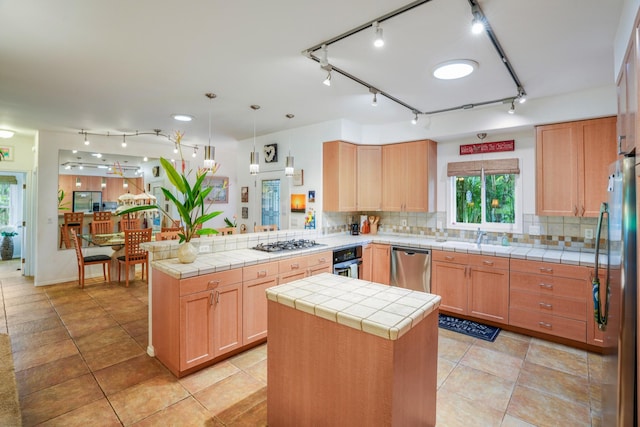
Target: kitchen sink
{"x":473,"y":247}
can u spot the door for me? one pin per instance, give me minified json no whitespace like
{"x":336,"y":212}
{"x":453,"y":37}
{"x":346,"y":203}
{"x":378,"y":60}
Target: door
{"x":12,"y":210}
{"x":270,"y":206}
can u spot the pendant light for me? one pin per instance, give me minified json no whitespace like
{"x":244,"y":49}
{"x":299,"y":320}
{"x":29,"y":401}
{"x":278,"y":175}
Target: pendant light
{"x":254,"y":165}
{"x":209,"y":151}
{"x":288,"y":169}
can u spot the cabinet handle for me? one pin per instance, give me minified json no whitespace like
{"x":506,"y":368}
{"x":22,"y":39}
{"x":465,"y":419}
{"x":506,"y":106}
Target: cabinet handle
{"x":546,"y":270}
{"x":262,"y":273}
{"x":487,"y":262}
{"x":295,"y":266}
{"x":322,"y":260}
{"x":449,"y":258}
{"x":211,"y":298}
{"x":545,"y":305}
{"x":213,"y":283}
{"x":217,"y":297}
{"x":546,"y":325}
{"x":546,"y":286}
{"x":582,"y":212}
{"x":575,"y":210}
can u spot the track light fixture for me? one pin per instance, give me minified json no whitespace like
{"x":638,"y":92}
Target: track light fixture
{"x":209,"y":151}
{"x":415,"y":118}
{"x":522,"y":96}
{"x":324,"y":61}
{"x":327,"y":80}
{"x":288,"y":168}
{"x":378,"y":40}
{"x":512,"y":110}
{"x":195,"y":152}
{"x":86,"y":141}
{"x":78,"y":183}
{"x":374,"y":101}
{"x":124,"y":141}
{"x":477,"y":23}
{"x":175,"y":149}
{"x":254,"y":165}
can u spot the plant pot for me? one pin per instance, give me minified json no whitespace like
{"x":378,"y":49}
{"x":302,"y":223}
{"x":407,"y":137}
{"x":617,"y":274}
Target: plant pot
{"x":187,"y":253}
{"x":6,"y":248}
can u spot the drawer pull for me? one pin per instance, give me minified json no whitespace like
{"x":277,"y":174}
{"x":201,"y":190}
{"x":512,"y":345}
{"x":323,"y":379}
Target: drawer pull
{"x":546,"y":325}
{"x":546,"y":286}
{"x":213,"y":283}
{"x":545,"y":305}
{"x":322,"y":260}
{"x":262,"y":273}
{"x":487,"y":262}
{"x":449,"y":258}
{"x":546,"y":270}
{"x":295,"y":266}
{"x":211,"y":298}
{"x":217,"y":297}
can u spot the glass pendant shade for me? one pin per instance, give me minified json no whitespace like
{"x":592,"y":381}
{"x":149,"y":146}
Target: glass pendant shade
{"x":78,"y":183}
{"x":209,"y":157}
{"x":254,"y":166}
{"x":288,"y":169}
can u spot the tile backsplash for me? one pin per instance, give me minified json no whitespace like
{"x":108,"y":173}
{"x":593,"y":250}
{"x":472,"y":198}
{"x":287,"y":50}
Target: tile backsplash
{"x":566,"y":233}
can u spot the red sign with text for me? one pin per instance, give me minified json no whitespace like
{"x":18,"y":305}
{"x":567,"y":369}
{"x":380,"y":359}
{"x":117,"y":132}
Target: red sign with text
{"x":487,"y":147}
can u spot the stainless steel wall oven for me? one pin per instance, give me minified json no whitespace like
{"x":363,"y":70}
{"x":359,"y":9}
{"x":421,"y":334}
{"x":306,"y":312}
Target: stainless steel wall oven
{"x":348,"y":262}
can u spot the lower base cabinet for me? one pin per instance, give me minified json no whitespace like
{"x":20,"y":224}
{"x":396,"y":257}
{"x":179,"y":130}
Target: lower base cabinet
{"x":256,"y":280}
{"x":381,"y":263}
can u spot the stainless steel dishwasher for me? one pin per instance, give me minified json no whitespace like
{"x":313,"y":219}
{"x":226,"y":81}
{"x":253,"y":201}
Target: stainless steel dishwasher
{"x":411,"y":268}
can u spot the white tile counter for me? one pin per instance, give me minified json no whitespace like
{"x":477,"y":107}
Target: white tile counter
{"x":384,"y":311}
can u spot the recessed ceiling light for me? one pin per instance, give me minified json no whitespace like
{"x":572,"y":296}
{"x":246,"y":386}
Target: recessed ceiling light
{"x":455,"y":69}
{"x":182,"y":117}
{"x":6,"y":133}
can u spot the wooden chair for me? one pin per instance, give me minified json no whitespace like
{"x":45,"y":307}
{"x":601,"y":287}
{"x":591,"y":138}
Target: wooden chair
{"x":271,"y":227}
{"x":163,"y":229}
{"x":72,"y":221}
{"x":224,"y":231}
{"x":129,"y":224}
{"x":133,"y":253}
{"x":102,"y":216}
{"x":83,"y":261}
{"x":167,"y":235}
{"x":101,"y":227}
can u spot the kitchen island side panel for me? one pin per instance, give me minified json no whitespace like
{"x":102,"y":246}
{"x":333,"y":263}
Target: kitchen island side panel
{"x":325,"y":373}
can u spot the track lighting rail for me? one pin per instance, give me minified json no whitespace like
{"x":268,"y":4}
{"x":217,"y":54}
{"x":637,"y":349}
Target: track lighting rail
{"x":125,"y":135}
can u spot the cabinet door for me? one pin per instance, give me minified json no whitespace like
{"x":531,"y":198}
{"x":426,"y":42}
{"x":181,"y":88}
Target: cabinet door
{"x":369,"y":177}
{"x":381,"y":264}
{"x":291,"y":276}
{"x":418,"y":197}
{"x":254,"y":313}
{"x":598,"y":152}
{"x":449,"y":280}
{"x":367,"y":262}
{"x":489,"y":293}
{"x":556,"y":170}
{"x":196,"y":329}
{"x":67,"y":184}
{"x":339,"y":168}
{"x":393,"y":177}
{"x":227,"y":318}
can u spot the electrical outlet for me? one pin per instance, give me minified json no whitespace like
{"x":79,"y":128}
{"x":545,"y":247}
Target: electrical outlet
{"x":205,"y":248}
{"x":588,"y":233}
{"x":534,"y":230}
{"x":404,"y":222}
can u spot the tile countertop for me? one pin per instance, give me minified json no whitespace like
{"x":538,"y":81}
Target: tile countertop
{"x":226,"y":252}
{"x":384,"y":311}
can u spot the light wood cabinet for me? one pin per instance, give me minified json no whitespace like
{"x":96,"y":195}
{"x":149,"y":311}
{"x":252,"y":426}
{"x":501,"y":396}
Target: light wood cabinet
{"x":369,"y":178}
{"x":627,"y":89}
{"x":339,"y":166}
{"x":256,"y":280}
{"x":367,"y":262}
{"x":292,"y":269}
{"x":472,"y":285}
{"x":320,"y":263}
{"x":227,"y":318}
{"x":572,"y":165}
{"x":381,"y":263}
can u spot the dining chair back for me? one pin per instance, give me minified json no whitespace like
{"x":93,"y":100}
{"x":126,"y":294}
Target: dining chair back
{"x":83,"y":261}
{"x":224,"y":231}
{"x":133,"y":253}
{"x":270,"y":227}
{"x":163,"y":229}
{"x":129,"y":224}
{"x":167,"y":235}
{"x":101,"y":227}
{"x":102,"y":216}
{"x":72,"y":221}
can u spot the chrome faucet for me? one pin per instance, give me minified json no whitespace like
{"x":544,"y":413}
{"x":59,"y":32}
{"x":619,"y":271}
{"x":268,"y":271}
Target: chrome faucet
{"x":480,"y":234}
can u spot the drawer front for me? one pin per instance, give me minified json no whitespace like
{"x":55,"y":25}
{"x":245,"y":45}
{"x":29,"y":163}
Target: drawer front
{"x":549,"y":285}
{"x":446,"y":256}
{"x":210,"y":281}
{"x":292,"y":264}
{"x":550,"y":269}
{"x":546,"y":323}
{"x":260,"y":271}
{"x":557,"y":306}
{"x":489,"y":261}
{"x":320,"y":259}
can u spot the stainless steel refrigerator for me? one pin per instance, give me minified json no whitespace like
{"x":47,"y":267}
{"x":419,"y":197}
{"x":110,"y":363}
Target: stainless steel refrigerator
{"x":615,"y":297}
{"x":87,"y":201}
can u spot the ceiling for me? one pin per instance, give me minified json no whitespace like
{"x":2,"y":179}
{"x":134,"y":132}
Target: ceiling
{"x":120,"y":66}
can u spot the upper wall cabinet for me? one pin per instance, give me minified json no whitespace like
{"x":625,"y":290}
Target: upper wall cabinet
{"x":628,"y":98}
{"x":369,"y":197}
{"x":409,"y":176}
{"x":572,"y":166}
{"x":339,"y":163}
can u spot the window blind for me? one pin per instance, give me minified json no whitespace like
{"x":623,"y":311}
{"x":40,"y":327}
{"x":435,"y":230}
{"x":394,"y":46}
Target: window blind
{"x":492,"y":167}
{"x":7,"y":179}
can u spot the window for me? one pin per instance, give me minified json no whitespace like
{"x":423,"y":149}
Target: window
{"x":485,"y":194}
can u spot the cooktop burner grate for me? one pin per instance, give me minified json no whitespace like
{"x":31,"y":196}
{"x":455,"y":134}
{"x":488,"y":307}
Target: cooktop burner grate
{"x":287,"y":245}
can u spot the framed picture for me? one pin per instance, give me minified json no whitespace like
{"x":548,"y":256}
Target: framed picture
{"x":245,"y":212}
{"x":298,"y":177}
{"x":312,"y":196}
{"x":220,"y":191}
{"x":298,"y":203}
{"x":6,"y":153}
{"x":244,"y":194}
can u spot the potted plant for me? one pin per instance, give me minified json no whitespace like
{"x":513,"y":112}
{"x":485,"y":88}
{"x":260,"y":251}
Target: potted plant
{"x":189,"y":201}
{"x":6,"y":247}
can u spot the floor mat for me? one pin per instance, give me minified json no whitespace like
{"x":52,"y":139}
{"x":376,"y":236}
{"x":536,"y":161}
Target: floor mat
{"x":468,"y":327}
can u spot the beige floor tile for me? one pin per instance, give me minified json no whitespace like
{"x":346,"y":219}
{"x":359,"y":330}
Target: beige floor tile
{"x":510,"y":421}
{"x":247,"y":412}
{"x":102,"y":338}
{"x":561,"y":384}
{"x":187,"y":412}
{"x":35,"y":326}
{"x":452,"y":349}
{"x":454,"y":410}
{"x":258,"y":370}
{"x":136,"y":327}
{"x":546,"y":410}
{"x":76,"y":306}
{"x":49,"y":374}
{"x":40,"y":338}
{"x":28,"y":316}
{"x":558,"y":357}
{"x":250,"y":357}
{"x":85,"y":326}
{"x":27,"y":306}
{"x":445,"y":333}
{"x":142,"y":400}
{"x":480,"y":387}
{"x":43,"y":354}
{"x":444,"y":369}
{"x":117,"y":352}
{"x":226,"y":393}
{"x":208,"y":376}
{"x":96,"y":414}
{"x":493,"y":362}
{"x":507,"y":343}
{"x":128,"y":373}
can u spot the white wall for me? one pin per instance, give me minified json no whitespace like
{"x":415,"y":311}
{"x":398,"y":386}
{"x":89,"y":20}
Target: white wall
{"x":623,"y":35}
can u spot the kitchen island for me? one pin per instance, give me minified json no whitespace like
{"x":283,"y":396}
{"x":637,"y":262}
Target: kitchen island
{"x":345,"y":351}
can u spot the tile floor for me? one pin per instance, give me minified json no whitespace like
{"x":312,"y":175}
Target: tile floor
{"x":80,"y":360}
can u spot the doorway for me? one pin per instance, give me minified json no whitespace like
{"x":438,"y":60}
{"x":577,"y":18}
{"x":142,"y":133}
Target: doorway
{"x":12,"y":215}
{"x":270,"y":202}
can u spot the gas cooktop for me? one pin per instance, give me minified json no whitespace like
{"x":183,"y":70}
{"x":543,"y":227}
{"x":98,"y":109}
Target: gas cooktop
{"x":287,"y":245}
